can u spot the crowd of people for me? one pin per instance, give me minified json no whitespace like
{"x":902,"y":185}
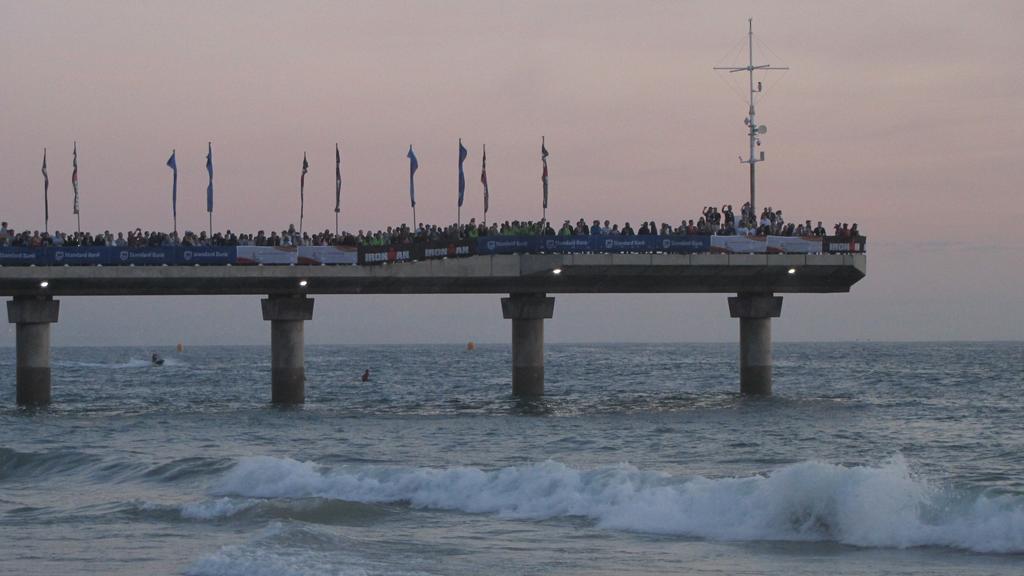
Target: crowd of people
{"x":722,"y":221}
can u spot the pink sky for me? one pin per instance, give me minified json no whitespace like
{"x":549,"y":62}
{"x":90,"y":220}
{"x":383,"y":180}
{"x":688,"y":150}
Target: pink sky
{"x":899,"y":116}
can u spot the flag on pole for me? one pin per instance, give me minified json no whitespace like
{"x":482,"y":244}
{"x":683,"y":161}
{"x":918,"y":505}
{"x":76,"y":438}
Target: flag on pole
{"x":46,"y":191}
{"x":74,"y":176}
{"x":462,"y":176}
{"x":337,"y":179}
{"x":483,"y":180}
{"x":413,"y":166}
{"x":302,"y":186}
{"x":209,"y":187}
{"x":173,"y":165}
{"x":544,"y":175}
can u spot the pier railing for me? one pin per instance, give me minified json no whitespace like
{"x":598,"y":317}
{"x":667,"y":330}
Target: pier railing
{"x":370,"y":255}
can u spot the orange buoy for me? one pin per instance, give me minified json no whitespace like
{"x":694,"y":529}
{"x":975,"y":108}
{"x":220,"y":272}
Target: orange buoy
{"x":471,"y":345}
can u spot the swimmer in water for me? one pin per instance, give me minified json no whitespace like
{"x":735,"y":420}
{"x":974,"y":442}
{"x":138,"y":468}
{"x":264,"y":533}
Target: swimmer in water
{"x":157,"y":360}
{"x":366,"y":376}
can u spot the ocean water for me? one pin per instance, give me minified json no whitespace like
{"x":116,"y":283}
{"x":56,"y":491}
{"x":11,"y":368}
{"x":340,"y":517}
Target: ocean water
{"x":642,"y":459}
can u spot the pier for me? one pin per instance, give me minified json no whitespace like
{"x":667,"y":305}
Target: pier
{"x":529,"y":284}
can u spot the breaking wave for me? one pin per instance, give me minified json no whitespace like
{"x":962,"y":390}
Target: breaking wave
{"x":881,"y":506}
{"x":218,"y":508}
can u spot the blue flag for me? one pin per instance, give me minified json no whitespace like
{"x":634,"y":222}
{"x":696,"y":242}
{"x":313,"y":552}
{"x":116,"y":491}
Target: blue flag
{"x":483,"y":179}
{"x":337,"y":179}
{"x":544,"y":174}
{"x":302,"y":187}
{"x":413,"y":165}
{"x":462,"y":175}
{"x":209,"y":187}
{"x":74,"y":178}
{"x":173,"y":165}
{"x":46,"y":192}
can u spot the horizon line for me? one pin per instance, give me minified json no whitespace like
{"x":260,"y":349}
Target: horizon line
{"x":555,"y":343}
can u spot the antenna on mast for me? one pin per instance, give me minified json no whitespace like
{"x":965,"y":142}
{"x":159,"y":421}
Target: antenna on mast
{"x":753,"y":130}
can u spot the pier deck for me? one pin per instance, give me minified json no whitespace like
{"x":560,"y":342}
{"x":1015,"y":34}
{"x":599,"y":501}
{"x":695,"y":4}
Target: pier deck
{"x":496,"y":274}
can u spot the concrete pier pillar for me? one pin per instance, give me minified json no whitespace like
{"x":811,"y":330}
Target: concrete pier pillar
{"x":32,"y":317}
{"x":287,"y":346}
{"x":755,"y":312}
{"x":528,"y":312}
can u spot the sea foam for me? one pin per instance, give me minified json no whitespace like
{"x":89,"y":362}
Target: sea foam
{"x":219,"y":508}
{"x":290,"y":549}
{"x":253,"y":561}
{"x":880,"y":506}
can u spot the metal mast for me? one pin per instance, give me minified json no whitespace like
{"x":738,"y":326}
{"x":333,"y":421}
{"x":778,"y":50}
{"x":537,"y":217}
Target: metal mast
{"x":753,"y":130}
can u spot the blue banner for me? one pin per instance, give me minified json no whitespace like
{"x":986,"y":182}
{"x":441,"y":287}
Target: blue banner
{"x":22,"y":256}
{"x":684,"y":244}
{"x":78,"y":256}
{"x":117,"y":256}
{"x":206,"y":255}
{"x":566,"y":244}
{"x":155,"y":256}
{"x":623,"y":243}
{"x":507,"y":244}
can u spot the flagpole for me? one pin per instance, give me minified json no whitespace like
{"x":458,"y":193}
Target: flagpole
{"x":74,"y":183}
{"x":46,"y":196}
{"x":413,"y":166}
{"x":209,"y":187}
{"x":483,"y":178}
{"x":337,"y":187}
{"x":302,"y":195}
{"x":462,"y":186}
{"x":544,"y":213}
{"x":172,"y":163}
{"x":174,"y":198}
